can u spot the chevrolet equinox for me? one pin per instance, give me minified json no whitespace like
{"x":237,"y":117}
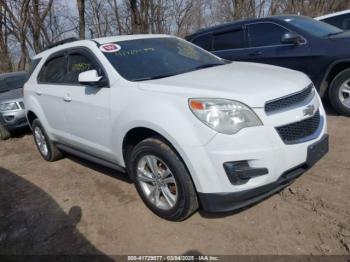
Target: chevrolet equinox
{"x":189,"y":128}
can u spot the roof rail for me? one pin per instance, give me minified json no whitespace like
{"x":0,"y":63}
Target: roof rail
{"x":64,"y":41}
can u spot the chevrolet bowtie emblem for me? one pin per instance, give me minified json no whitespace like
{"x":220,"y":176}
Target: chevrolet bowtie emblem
{"x":309,"y":110}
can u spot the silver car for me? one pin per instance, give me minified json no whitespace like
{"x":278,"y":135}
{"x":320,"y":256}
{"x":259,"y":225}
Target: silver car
{"x":12,"y":115}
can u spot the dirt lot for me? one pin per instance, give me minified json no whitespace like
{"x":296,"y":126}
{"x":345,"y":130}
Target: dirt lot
{"x":73,"y":207}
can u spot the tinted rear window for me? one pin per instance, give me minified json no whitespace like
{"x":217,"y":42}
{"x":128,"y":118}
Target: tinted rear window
{"x":229,"y":40}
{"x":54,"y":71}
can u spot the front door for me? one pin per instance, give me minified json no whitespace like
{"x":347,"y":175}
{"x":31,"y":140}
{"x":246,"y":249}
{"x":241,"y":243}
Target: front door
{"x":265,"y":46}
{"x":87,"y":108}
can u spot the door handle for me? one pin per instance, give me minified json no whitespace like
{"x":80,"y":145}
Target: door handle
{"x":67,"y":98}
{"x":257,"y":53}
{"x":38,"y":92}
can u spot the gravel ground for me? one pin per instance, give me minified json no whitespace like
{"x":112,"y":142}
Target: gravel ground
{"x":75,"y":207}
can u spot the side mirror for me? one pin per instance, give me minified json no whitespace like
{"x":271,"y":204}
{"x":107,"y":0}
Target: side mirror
{"x":91,"y":78}
{"x":291,"y":38}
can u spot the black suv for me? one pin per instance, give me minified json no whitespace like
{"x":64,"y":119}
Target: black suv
{"x":318,"y":49}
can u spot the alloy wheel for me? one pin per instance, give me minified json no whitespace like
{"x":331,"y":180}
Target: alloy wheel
{"x":157,"y":182}
{"x":344,"y":93}
{"x":41,"y":141}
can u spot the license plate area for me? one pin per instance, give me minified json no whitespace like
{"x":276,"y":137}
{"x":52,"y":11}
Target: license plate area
{"x":317,"y":150}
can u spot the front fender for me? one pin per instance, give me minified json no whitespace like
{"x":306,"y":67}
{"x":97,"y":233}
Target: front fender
{"x":175,"y":122}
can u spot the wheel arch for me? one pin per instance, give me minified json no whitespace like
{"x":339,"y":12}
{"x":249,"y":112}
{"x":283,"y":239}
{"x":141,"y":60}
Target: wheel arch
{"x":31,"y":116}
{"x":333,"y":70}
{"x":139,"y":133}
{"x":136,"y":134}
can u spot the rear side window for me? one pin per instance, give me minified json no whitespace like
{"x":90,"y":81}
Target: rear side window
{"x":229,"y":40}
{"x":54,"y":71}
{"x":203,"y":41}
{"x":341,"y":21}
{"x":265,"y":34}
{"x":78,"y":63}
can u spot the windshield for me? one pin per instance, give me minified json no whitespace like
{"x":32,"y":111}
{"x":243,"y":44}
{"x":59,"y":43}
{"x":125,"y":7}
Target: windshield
{"x":314,"y":27}
{"x":8,"y":83}
{"x":153,"y":58}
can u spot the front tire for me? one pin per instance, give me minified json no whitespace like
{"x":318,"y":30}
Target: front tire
{"x":339,"y":93}
{"x":162,"y":180}
{"x":45,"y":146}
{"x":4,"y":133}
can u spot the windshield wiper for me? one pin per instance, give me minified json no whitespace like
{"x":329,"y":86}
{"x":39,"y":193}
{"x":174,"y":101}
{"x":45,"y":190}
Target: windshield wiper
{"x":336,"y":33}
{"x":151,"y":77}
{"x":208,"y":65}
{"x":163,"y":76}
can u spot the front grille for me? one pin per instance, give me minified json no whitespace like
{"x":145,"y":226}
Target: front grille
{"x":300,"y":131}
{"x":21,"y":104}
{"x":289,"y":101}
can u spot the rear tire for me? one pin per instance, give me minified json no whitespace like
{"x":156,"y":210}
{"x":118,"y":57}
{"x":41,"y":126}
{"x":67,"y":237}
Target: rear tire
{"x":339,"y":93}
{"x":4,"y":133}
{"x":46,"y":148}
{"x":162,"y":180}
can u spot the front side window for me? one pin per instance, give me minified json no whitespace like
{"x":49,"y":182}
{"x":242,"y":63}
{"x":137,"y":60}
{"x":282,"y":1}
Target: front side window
{"x":54,"y":71}
{"x":229,"y":40}
{"x":265,"y":34}
{"x":78,"y":63}
{"x":152,"y":58}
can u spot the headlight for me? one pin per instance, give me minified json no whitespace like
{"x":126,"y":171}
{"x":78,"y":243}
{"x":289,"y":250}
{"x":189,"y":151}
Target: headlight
{"x":8,"y":106}
{"x":224,"y":116}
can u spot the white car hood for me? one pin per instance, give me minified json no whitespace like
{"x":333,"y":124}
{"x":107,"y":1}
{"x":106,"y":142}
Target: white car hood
{"x":250,"y":83}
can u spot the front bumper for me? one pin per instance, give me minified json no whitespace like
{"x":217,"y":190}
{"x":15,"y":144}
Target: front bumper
{"x":13,"y":119}
{"x":270,"y":161}
{"x":223,"y":202}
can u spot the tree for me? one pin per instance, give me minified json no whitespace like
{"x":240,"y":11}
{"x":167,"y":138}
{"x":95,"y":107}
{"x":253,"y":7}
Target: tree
{"x":36,"y":22}
{"x":81,"y":11}
{"x":113,"y":4}
{"x":6,"y":63}
{"x":17,"y":18}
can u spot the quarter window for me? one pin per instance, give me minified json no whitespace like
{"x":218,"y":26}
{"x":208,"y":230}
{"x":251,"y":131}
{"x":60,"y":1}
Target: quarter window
{"x":229,"y":40}
{"x":265,"y":34}
{"x":54,"y":71}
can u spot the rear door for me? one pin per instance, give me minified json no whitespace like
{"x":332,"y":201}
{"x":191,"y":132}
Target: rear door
{"x":87,"y":108}
{"x":50,"y":92}
{"x":230,"y":44}
{"x":265,"y":46}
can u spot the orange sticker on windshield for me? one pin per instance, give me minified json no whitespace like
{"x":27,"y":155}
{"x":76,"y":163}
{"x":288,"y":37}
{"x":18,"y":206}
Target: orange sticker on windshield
{"x":110,"y":48}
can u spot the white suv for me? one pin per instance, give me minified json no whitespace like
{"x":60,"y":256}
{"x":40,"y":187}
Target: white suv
{"x":189,"y":128}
